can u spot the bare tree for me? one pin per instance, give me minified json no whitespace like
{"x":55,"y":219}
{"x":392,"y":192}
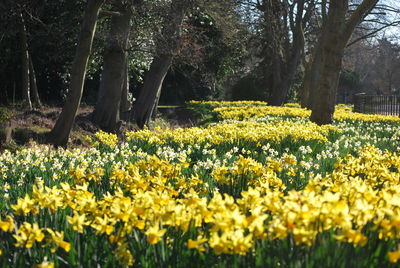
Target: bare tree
{"x":340,"y":23}
{"x":114,"y":74}
{"x":59,"y":135}
{"x":26,"y":89}
{"x":284,"y":44}
{"x":125,"y":102}
{"x":167,"y":46}
{"x":33,"y":85}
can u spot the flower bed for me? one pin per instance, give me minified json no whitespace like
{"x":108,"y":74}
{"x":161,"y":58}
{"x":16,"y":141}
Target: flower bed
{"x":271,"y":189}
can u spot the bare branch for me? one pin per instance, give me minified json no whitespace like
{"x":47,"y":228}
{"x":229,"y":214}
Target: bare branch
{"x":395,"y":23}
{"x":110,"y":13}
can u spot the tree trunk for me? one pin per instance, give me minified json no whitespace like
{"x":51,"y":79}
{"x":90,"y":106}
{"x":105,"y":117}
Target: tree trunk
{"x":276,"y":82}
{"x":106,"y":113}
{"x":125,"y":103}
{"x":4,"y":99}
{"x":324,"y":102}
{"x":313,"y":67}
{"x":332,"y":46}
{"x":281,"y":91}
{"x":33,"y":85}
{"x":305,"y":87}
{"x":274,"y":50}
{"x":286,"y":56}
{"x":24,"y":64}
{"x":311,"y":77}
{"x":336,"y":33}
{"x":154,"y":113}
{"x":167,"y":46}
{"x":146,"y":102}
{"x":60,"y":133}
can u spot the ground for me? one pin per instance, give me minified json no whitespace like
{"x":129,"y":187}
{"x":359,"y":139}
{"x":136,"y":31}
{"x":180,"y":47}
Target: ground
{"x":25,"y":126}
{"x":33,"y":125}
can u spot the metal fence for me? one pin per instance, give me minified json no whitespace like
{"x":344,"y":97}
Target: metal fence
{"x":377,"y":104}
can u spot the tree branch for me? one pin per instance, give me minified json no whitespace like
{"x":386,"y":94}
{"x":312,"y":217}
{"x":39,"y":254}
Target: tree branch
{"x":110,"y":13}
{"x":359,"y":14}
{"x":373,"y":33}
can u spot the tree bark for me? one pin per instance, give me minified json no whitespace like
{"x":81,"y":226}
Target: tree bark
{"x":125,"y":103}
{"x":25,"y":64}
{"x":145,"y":104}
{"x":311,"y":77}
{"x":285,"y":55}
{"x":33,"y":85}
{"x":281,"y":91}
{"x":313,"y":66}
{"x":61,"y":131}
{"x":107,"y":110}
{"x":305,"y":86}
{"x":273,"y":63}
{"x":335,"y":35}
{"x":324,"y":99}
{"x":167,"y":46}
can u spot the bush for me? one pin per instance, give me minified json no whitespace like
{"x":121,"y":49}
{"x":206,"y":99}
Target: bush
{"x":248,"y":87}
{"x":5,"y":114}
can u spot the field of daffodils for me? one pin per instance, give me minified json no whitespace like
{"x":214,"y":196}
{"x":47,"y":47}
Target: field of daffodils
{"x":256,"y":186}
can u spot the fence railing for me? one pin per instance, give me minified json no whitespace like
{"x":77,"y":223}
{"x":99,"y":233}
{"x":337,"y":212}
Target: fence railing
{"x":377,"y":104}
